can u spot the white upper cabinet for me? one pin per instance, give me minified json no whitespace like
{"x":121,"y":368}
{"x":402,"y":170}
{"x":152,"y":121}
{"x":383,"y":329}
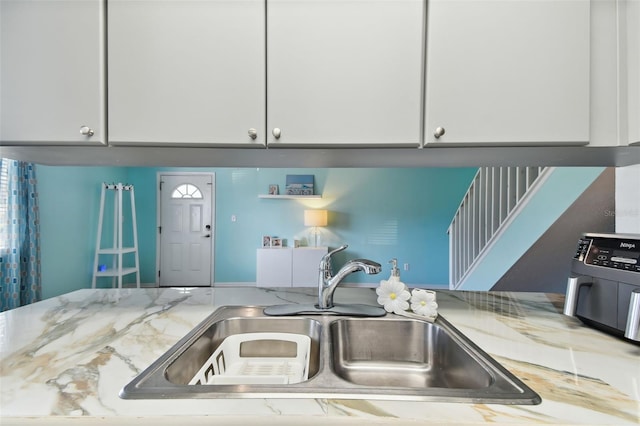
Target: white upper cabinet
{"x":344,"y":72}
{"x":51,"y":72}
{"x":507,"y":72}
{"x":187,"y":72}
{"x":631,"y":66}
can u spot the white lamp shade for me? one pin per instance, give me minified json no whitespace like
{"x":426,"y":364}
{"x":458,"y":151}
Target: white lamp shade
{"x":315,"y":218}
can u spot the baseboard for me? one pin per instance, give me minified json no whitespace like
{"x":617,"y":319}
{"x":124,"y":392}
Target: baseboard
{"x":234,"y":284}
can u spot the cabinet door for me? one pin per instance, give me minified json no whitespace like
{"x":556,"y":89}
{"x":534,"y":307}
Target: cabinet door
{"x":51,"y":71}
{"x":186,"y":72}
{"x":508,"y":72}
{"x":273,"y":268}
{"x":631,"y":65}
{"x":344,"y":72}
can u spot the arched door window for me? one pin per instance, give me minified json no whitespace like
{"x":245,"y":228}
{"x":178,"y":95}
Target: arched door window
{"x":186,"y":190}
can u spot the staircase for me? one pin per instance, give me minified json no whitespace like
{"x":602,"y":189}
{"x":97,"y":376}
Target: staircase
{"x":504,"y":212}
{"x":494,"y":197}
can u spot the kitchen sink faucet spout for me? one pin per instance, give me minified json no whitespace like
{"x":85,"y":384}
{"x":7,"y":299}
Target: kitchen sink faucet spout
{"x":327,"y":282}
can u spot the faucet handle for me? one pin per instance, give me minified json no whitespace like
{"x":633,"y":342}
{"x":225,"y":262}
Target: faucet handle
{"x":332,"y":252}
{"x":325,"y":262}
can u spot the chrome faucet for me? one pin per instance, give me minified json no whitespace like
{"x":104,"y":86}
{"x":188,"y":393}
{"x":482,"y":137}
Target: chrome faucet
{"x":327,"y":282}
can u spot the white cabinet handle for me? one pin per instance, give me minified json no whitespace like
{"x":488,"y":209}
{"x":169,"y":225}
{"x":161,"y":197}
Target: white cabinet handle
{"x":439,"y":132}
{"x":86,"y":131}
{"x":276,"y":133}
{"x":253,"y":133}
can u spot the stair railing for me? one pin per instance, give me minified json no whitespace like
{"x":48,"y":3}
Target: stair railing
{"x":493,"y":199}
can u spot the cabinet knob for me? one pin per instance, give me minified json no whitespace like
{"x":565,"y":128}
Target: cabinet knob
{"x":439,"y":132}
{"x":276,"y":133}
{"x":253,"y":133}
{"x":86,"y":131}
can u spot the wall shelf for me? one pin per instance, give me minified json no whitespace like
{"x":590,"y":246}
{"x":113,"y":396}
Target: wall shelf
{"x":289,"y":197}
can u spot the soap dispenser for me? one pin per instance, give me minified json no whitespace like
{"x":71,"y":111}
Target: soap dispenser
{"x":395,"y":272}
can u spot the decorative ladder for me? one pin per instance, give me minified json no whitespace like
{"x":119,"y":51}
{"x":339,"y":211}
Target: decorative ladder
{"x":118,"y":250}
{"x":493,"y":199}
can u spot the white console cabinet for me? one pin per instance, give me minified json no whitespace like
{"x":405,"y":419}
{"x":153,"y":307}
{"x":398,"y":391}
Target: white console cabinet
{"x":288,"y":267}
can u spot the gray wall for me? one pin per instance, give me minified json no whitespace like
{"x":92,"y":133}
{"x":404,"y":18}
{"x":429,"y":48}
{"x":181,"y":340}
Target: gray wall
{"x":545,"y":267}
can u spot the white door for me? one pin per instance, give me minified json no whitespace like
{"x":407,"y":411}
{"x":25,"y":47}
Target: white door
{"x":186,"y":232}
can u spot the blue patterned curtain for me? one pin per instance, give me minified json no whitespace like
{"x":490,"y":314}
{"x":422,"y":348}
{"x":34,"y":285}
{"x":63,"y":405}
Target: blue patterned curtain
{"x":19,"y":236}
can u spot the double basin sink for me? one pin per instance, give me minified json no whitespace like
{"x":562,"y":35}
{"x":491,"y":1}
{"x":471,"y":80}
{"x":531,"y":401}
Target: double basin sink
{"x":392,"y":358}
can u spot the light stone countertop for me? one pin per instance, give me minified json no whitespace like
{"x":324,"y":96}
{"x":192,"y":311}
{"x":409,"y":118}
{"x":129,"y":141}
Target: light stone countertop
{"x":69,"y":356}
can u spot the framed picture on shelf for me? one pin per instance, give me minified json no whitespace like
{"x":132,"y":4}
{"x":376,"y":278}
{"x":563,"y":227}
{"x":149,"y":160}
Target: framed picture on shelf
{"x":299,"y":185}
{"x":276,"y":242}
{"x":266,"y":241}
{"x":273,"y":189}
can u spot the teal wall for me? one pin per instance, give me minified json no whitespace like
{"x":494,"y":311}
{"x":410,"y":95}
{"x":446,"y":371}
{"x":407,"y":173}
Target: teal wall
{"x":69,"y":200}
{"x":380,"y":213}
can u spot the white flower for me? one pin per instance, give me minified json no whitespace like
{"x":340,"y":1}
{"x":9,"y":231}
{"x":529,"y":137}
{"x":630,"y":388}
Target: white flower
{"x":423,"y":302}
{"x":393,"y":295}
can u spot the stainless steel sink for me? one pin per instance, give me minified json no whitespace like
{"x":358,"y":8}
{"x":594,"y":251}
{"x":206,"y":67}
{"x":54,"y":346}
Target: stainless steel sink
{"x":404,"y":354}
{"x":185,"y":365}
{"x":390,"y":358}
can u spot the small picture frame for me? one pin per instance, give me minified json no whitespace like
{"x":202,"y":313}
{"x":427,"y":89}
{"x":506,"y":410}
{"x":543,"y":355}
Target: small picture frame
{"x":273,"y":189}
{"x":276,"y":242}
{"x":266,"y":241}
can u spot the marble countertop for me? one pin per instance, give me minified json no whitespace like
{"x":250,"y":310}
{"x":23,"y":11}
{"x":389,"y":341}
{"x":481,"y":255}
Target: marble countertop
{"x":69,"y":357}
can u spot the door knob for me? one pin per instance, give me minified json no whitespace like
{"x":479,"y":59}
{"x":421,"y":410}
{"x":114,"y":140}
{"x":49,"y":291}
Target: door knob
{"x":208,"y":236}
{"x":439,"y":132}
{"x":253,"y":133}
{"x":276,"y":133}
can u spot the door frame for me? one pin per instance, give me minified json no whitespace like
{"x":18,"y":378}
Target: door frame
{"x":213,"y":219}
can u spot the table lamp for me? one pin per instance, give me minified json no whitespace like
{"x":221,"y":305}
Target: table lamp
{"x":315,"y":218}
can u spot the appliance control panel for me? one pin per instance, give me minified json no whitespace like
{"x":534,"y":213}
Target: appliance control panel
{"x":610,"y":251}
